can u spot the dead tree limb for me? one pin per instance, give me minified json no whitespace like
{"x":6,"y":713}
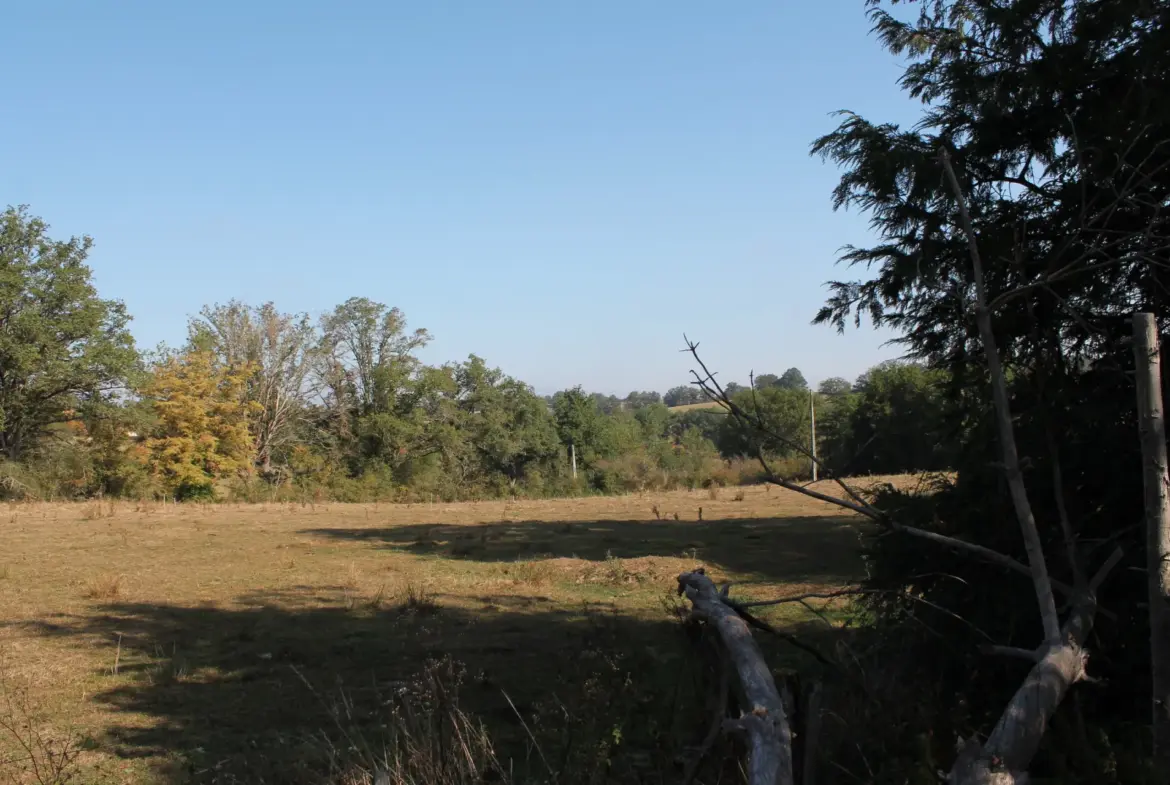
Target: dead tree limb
{"x":1009,"y":750}
{"x":762,"y":718}
{"x":1156,"y":479}
{"x":1004,"y":758}
{"x":856,"y":502}
{"x":1003,"y":415}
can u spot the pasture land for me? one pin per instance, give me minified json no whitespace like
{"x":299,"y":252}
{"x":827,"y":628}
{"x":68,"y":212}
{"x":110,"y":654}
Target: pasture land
{"x":239,"y":643}
{"x":686,"y":407}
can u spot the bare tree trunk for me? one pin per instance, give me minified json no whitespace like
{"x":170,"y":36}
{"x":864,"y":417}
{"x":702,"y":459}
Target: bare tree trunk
{"x":1152,"y":423}
{"x":1003,"y":417}
{"x":1060,"y":660}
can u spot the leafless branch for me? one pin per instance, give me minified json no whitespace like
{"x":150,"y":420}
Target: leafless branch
{"x":1031,"y":655}
{"x":1011,"y":460}
{"x":712,"y":388}
{"x":856,"y":503}
{"x":832,"y":595}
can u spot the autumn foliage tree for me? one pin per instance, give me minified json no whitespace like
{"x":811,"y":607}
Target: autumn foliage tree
{"x":203,"y":433}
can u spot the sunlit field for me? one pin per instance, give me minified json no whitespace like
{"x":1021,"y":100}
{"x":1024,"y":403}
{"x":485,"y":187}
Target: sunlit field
{"x":215,"y":643}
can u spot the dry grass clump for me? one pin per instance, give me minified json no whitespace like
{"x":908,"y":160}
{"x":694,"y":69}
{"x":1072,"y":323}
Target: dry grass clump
{"x":104,"y":587}
{"x":427,"y":738}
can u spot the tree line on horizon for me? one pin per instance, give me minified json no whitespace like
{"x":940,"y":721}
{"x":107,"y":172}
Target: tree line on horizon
{"x":1052,"y":121}
{"x":259,"y":404}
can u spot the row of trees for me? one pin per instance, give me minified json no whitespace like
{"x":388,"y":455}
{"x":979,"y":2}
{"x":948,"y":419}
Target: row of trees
{"x":685,"y":395}
{"x":258,"y":400}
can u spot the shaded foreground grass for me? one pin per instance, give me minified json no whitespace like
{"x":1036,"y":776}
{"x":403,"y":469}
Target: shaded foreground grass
{"x":234,"y":644}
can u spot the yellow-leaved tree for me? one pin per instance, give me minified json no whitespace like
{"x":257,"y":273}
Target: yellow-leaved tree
{"x":203,"y":431}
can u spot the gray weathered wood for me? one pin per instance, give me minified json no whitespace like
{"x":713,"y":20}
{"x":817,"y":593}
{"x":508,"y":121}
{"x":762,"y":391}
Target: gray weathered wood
{"x":762,"y":719}
{"x":1005,"y":757}
{"x":1003,"y":418}
{"x":1152,"y":425}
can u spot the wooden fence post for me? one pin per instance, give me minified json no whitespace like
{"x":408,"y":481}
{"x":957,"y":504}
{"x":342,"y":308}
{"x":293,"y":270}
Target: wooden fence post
{"x":1152,"y":424}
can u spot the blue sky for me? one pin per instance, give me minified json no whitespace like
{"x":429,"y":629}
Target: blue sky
{"x":562,"y":188}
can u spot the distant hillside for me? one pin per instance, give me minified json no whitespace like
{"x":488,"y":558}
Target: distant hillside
{"x":686,"y":407}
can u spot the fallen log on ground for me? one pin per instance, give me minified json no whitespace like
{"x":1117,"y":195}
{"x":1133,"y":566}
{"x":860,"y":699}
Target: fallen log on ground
{"x":762,"y":718}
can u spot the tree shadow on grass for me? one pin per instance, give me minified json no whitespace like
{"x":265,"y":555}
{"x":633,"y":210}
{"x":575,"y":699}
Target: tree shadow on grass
{"x":250,"y":693}
{"x":813,"y":549}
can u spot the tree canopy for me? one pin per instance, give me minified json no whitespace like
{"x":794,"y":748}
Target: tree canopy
{"x":1053,"y":116}
{"x":62,"y":347}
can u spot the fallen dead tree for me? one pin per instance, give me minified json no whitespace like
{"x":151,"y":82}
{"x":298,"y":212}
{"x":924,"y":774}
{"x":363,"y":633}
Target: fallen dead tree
{"x":762,"y":717}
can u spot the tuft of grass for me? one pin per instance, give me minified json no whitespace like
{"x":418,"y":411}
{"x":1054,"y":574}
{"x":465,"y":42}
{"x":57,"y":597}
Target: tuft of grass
{"x":418,"y":602}
{"x":615,"y":570}
{"x":535,"y":572}
{"x":427,"y":737}
{"x":351,"y":588}
{"x":97,"y":510}
{"x":167,"y":668}
{"x":713,"y":493}
{"x":104,"y":587}
{"x":379,"y":597}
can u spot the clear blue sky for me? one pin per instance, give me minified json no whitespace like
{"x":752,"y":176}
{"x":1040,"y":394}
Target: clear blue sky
{"x":562,"y":188}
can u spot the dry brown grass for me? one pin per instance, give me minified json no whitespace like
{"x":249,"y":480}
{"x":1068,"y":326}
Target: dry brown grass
{"x":687,"y":407}
{"x":168,"y":635}
{"x":104,"y":587}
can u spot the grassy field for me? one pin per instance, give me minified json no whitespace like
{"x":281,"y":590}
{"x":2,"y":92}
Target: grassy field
{"x":238,"y":643}
{"x":686,"y":407}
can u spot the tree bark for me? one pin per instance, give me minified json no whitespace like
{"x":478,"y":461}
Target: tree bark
{"x":762,"y":719}
{"x":1152,"y":424}
{"x":1004,"y":758}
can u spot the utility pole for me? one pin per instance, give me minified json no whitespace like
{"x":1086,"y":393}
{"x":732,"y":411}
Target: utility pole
{"x":812,"y":416}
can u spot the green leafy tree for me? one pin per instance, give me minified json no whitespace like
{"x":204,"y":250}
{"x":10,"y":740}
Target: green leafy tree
{"x":367,"y":346}
{"x":792,"y":379}
{"x":683,"y":395}
{"x":581,"y":423}
{"x":783,"y":412}
{"x":834,"y":386}
{"x":377,"y":392}
{"x":837,"y":444}
{"x":507,"y":426}
{"x":765,"y":380}
{"x":61,"y":346}
{"x":899,"y":421}
{"x":636,"y":400}
{"x":708,"y":422}
{"x":654,"y":419}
